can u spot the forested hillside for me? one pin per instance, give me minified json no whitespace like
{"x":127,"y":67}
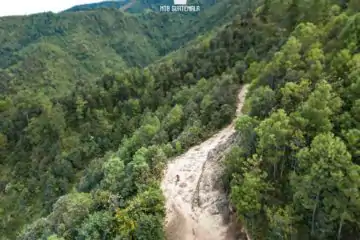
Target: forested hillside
{"x":137,"y":6}
{"x":82,"y":159}
{"x":92,"y":6}
{"x":44,"y":48}
{"x":40,"y":51}
{"x":85,"y":163}
{"x":295,"y":172}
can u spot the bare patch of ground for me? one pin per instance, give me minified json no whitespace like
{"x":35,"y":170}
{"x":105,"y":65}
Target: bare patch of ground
{"x":197,"y":206}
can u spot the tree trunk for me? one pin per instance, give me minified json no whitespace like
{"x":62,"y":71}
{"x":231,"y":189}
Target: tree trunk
{"x":282,"y":168}
{"x":293,"y":163}
{"x":313,"y":214}
{"x":274,"y":171}
{"x":340,"y":226}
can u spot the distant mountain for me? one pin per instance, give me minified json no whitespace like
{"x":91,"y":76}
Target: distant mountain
{"x":137,"y":6}
{"x":104,"y":4}
{"x":94,"y":41}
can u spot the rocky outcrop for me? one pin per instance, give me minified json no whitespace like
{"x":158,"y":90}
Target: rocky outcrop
{"x":213,"y":155}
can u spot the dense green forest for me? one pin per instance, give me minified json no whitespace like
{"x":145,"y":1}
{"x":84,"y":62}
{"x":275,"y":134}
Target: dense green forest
{"x":294,"y":173}
{"x":82,"y":148}
{"x":44,"y":48}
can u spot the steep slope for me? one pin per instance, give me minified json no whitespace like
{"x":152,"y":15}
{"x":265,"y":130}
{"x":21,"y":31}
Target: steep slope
{"x":40,"y":51}
{"x":195,"y":205}
{"x":294,"y":173}
{"x":53,"y":146}
{"x":88,"y":164}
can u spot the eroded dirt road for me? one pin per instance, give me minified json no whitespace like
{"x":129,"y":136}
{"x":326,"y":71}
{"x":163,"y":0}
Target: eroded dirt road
{"x":195,"y":205}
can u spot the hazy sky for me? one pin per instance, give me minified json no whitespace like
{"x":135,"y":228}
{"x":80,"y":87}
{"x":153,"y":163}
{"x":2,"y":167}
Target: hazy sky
{"x":22,"y":7}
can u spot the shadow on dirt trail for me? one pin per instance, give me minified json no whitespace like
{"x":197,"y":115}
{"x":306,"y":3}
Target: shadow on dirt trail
{"x":196,"y":207}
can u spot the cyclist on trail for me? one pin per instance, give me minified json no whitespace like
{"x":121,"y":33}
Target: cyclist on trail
{"x":177,"y":179}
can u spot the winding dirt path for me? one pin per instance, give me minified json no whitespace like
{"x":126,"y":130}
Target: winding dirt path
{"x":195,"y":205}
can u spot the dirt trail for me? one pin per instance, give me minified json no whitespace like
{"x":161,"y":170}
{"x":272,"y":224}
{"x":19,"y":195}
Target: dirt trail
{"x":195,"y":206}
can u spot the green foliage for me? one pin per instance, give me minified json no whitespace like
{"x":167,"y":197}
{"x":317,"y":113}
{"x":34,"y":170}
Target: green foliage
{"x":294,"y":173}
{"x":54,"y":237}
{"x":75,"y":154}
{"x":96,"y":226}
{"x":142,"y":219}
{"x":40,"y":51}
{"x":274,"y":133}
{"x":333,"y":173}
{"x":83,"y":161}
{"x":262,"y":100}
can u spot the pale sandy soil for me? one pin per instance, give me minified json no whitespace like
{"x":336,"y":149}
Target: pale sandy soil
{"x":196,"y":205}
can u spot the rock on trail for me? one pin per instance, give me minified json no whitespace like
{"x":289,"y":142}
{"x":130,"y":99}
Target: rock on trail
{"x":195,"y":205}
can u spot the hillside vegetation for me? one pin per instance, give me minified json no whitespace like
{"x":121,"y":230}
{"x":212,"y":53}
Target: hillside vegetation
{"x":81,"y":151}
{"x":44,"y":48}
{"x":295,"y":172}
{"x":40,"y":51}
{"x":85,"y":163}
